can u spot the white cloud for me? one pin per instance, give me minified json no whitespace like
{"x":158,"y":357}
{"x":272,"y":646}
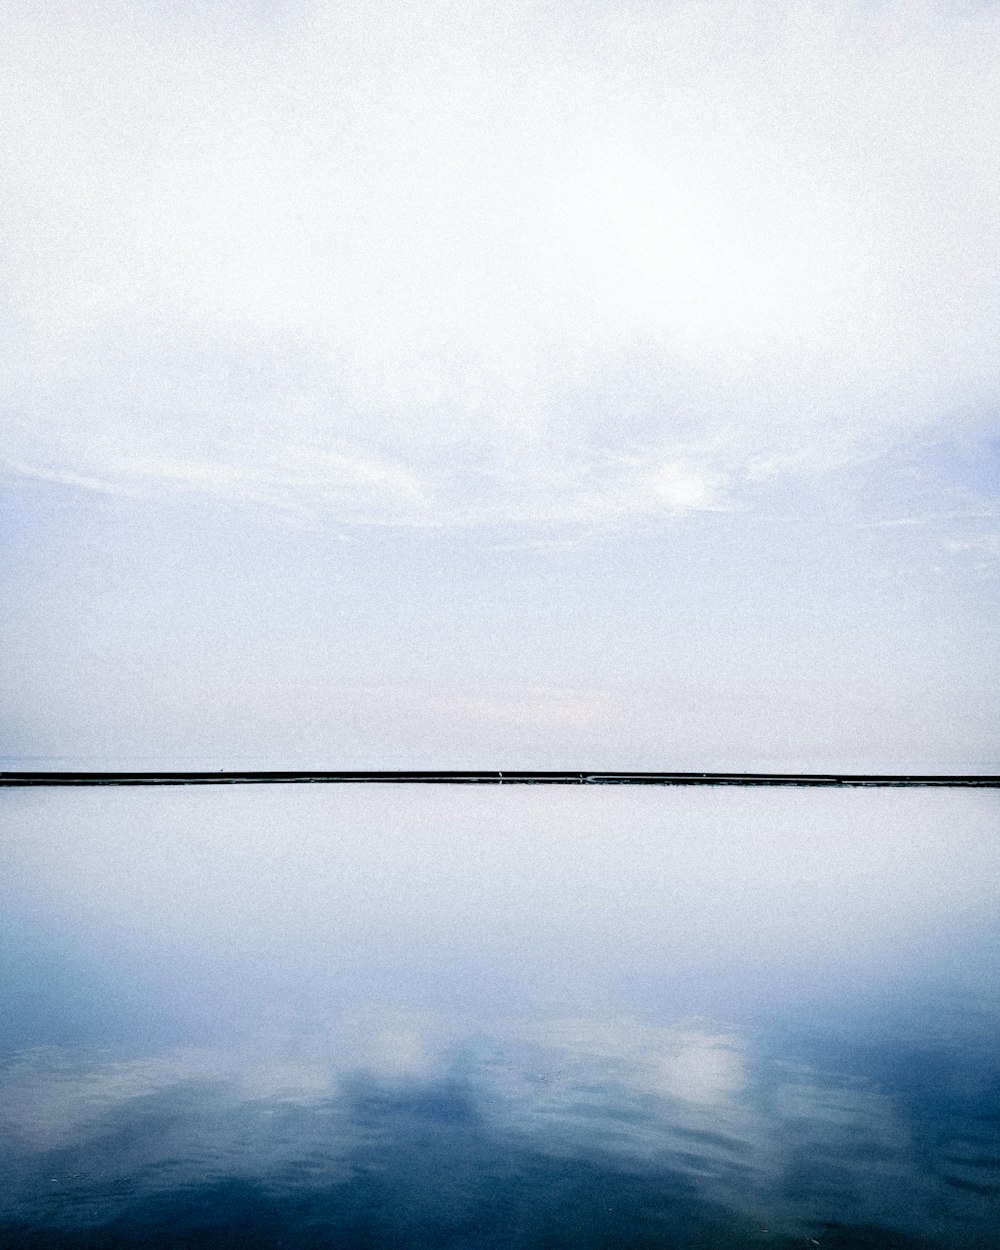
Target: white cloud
{"x":434,"y":262}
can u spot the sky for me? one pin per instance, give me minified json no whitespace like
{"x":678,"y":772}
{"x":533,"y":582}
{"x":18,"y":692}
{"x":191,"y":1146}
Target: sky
{"x":545,"y":384}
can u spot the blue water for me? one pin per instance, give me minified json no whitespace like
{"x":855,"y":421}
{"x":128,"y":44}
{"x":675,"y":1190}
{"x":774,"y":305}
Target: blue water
{"x":373,"y":1017}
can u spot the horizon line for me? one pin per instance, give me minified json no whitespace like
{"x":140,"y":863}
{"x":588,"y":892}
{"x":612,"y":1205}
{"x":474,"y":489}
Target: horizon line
{"x":182,"y":777}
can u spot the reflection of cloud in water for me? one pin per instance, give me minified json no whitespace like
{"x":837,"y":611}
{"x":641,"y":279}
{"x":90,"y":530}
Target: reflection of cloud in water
{"x":395,"y":1118}
{"x":704,"y":1070}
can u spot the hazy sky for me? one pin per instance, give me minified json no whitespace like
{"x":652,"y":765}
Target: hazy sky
{"x":466,"y":384}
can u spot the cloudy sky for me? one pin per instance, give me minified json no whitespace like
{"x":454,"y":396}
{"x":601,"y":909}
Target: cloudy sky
{"x":542,"y":384}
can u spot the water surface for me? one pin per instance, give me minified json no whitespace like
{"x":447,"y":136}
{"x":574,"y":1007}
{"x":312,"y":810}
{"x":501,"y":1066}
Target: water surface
{"x":513,"y":1018}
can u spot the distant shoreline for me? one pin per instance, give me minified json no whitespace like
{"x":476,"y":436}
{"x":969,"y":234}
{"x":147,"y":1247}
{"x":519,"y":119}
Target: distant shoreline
{"x":489,"y":777}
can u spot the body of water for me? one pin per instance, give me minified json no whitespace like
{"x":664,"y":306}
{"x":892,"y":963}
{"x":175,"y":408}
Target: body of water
{"x":369,"y":1016}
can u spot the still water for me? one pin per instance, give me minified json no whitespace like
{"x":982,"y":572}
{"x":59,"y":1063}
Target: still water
{"x":371,"y":1016}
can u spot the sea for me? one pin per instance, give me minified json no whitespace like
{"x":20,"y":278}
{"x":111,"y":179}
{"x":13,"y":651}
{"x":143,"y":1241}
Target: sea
{"x":511,"y":1017}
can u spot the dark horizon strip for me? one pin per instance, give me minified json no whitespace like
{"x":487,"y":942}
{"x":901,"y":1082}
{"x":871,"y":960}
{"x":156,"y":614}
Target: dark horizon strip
{"x":489,"y":777}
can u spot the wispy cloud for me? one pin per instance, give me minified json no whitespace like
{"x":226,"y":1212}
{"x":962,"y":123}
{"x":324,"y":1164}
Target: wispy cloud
{"x":435,"y":263}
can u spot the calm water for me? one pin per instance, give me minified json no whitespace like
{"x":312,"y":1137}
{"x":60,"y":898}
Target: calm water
{"x":368,"y":1016}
